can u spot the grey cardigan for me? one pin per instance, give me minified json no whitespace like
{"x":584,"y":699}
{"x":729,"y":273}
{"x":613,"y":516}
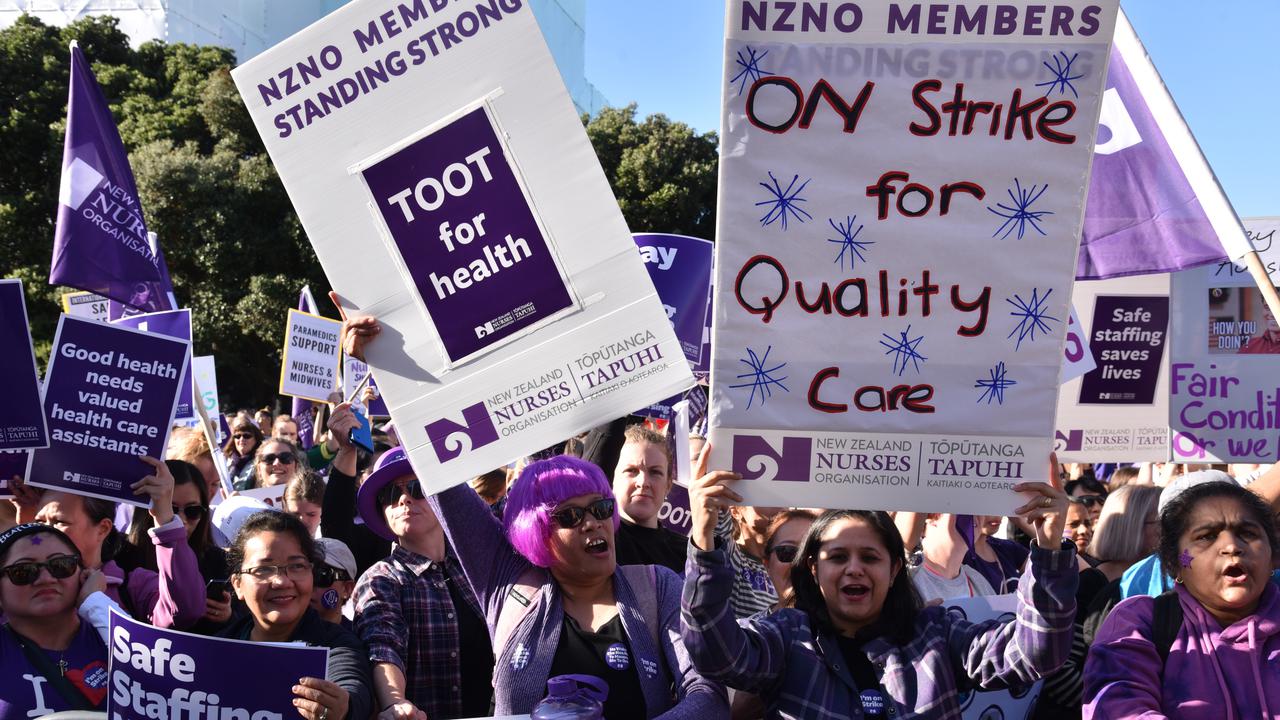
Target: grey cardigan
{"x":523,"y":664}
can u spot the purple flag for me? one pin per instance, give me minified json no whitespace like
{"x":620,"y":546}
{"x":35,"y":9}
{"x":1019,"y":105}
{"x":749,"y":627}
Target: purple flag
{"x":1154,"y":205}
{"x":304,"y":411}
{"x":101,"y":243}
{"x":22,"y":422}
{"x":175,"y":324}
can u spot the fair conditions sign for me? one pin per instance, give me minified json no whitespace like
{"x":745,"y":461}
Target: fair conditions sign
{"x":449,"y":189}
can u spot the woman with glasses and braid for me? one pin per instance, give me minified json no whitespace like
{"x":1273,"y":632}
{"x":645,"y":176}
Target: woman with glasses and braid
{"x":272,"y":561}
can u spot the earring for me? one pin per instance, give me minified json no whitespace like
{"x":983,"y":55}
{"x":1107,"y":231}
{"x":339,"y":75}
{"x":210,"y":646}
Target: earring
{"x":1178,"y":579}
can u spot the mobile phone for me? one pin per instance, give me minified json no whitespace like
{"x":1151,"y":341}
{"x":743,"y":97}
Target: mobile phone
{"x":362,"y":437}
{"x":217,"y":589}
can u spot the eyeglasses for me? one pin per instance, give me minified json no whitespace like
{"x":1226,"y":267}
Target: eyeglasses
{"x":572,"y":517}
{"x":327,"y":575}
{"x":263,"y":573}
{"x":60,"y":567}
{"x":784,"y":553}
{"x":1089,"y":500}
{"x":192,"y":512}
{"x":243,"y":436}
{"x":391,"y":494}
{"x":285,"y":458}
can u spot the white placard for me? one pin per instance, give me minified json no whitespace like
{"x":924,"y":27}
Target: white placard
{"x":897,"y":232}
{"x":309,"y":362}
{"x":387,"y":83}
{"x":1076,"y":358}
{"x":990,"y":704}
{"x":87,"y":305}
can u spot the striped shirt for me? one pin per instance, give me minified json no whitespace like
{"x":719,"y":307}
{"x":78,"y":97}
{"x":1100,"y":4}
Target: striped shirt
{"x":801,"y":673}
{"x":753,"y":591}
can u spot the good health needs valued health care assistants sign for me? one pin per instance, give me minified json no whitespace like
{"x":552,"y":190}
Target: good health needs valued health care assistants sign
{"x":449,"y":189}
{"x":902,"y":188}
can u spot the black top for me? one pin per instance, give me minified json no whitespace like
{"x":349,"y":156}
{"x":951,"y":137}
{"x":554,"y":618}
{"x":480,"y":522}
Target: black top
{"x":638,"y":545}
{"x":864,"y":677}
{"x":606,"y":655}
{"x":475,"y":655}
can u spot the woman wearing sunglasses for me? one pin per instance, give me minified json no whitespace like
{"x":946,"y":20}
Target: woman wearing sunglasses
{"x":273,"y":560}
{"x":786,"y":532}
{"x":334,"y":582}
{"x":561,"y":605}
{"x":240,"y":450}
{"x":277,"y":462}
{"x":51,"y":660}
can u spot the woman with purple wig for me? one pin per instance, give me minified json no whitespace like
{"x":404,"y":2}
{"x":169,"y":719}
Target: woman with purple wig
{"x":561,"y":605}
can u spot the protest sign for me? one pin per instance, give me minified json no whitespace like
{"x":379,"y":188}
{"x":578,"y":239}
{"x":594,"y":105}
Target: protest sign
{"x":204,"y":374}
{"x":353,"y":373}
{"x":155,"y":673}
{"x":87,"y":305}
{"x":272,"y":496}
{"x":1077,"y":359}
{"x":449,"y":189}
{"x":22,"y":424}
{"x":1120,"y":427}
{"x":110,"y":393}
{"x":13,"y":463}
{"x":680,"y":268}
{"x":170,"y":323}
{"x":1016,"y":702}
{"x":896,"y":239}
{"x":309,"y":362}
{"x":1224,"y":396}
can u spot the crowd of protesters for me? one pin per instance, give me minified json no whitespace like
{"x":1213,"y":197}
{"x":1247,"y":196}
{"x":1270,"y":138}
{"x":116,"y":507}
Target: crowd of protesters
{"x":1140,"y":591}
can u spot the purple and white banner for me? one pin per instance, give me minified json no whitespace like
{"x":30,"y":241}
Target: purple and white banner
{"x":1154,"y":204}
{"x":22,"y":423}
{"x":468,"y":235}
{"x":680,"y":268}
{"x":177,"y":325}
{"x":1128,"y":338}
{"x":110,"y":394}
{"x":354,"y":373}
{"x":155,"y":673}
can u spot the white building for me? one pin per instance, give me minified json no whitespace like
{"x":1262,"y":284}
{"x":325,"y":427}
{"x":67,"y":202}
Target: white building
{"x":250,"y":26}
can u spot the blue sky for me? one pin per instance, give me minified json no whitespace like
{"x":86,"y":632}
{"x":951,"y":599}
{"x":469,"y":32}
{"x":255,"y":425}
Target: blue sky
{"x":1217,"y":58}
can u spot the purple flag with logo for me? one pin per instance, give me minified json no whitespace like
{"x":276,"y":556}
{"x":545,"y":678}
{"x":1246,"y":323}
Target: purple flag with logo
{"x":1154,"y":205}
{"x":109,"y":394}
{"x":166,"y":673}
{"x":304,"y":411}
{"x":101,"y":243}
{"x":22,"y":422}
{"x":175,"y":324}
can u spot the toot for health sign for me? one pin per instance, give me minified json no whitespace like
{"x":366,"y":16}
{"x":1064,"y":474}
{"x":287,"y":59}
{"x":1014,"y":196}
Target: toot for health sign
{"x":449,"y":189}
{"x":902,"y":190}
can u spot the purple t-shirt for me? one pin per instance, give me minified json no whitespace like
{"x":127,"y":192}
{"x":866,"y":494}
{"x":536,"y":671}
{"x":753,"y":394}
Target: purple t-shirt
{"x":1003,"y":574}
{"x":23,"y":689}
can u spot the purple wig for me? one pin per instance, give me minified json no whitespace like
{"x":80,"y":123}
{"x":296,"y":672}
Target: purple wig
{"x":540,"y":488}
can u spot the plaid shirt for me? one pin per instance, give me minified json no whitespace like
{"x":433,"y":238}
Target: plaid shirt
{"x":405,"y":615}
{"x":800,"y":673}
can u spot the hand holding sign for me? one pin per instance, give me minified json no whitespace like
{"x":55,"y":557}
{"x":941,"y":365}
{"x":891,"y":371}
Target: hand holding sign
{"x":318,"y":699}
{"x":1046,"y":512}
{"x":341,"y":423}
{"x":355,"y":332}
{"x":708,"y":495}
{"x":25,"y":498}
{"x":159,"y":487}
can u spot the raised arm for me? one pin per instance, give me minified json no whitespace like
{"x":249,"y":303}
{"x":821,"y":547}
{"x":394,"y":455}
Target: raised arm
{"x":696,"y":696}
{"x":479,"y":543}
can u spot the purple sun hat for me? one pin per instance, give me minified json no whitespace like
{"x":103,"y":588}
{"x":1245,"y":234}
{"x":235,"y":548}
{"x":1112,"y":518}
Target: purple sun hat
{"x":393,"y":464}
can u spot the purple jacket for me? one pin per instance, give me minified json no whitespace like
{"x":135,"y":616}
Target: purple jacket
{"x":521,"y":669}
{"x":801,"y":673}
{"x":174,"y":598}
{"x":1212,"y":672}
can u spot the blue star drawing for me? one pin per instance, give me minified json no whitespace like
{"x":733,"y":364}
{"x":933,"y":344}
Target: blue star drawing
{"x":751,"y":71}
{"x":783,"y":202}
{"x":1020,"y":215}
{"x":1062,"y":80}
{"x":996,"y":385}
{"x":849,"y":242}
{"x":1031,"y":316}
{"x":904,"y":349}
{"x":760,"y":378}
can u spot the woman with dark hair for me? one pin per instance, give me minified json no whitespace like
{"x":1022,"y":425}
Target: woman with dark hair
{"x":858,"y":640}
{"x":241,"y":449}
{"x":276,"y":462}
{"x":273,"y":561}
{"x":1205,"y":648}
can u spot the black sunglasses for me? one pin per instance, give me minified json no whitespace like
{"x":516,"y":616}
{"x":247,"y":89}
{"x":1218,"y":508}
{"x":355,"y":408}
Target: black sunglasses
{"x":242,"y":436}
{"x":192,"y":512}
{"x":327,"y":575}
{"x":285,"y":458}
{"x":1089,"y":500}
{"x":60,"y":567}
{"x":572,"y":517}
{"x":390,"y":494}
{"x":784,"y":553}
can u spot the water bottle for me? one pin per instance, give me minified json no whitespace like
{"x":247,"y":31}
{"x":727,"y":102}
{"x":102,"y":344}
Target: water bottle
{"x":572,"y":697}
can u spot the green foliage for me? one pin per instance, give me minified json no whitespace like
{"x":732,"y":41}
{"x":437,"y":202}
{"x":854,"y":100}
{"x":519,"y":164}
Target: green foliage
{"x":236,"y":251}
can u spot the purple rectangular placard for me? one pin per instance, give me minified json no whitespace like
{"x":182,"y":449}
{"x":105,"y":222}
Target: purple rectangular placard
{"x":194,"y":676}
{"x":109,"y":394}
{"x":1127,"y":339}
{"x":680,"y":268}
{"x":13,"y":463}
{"x":22,"y":423}
{"x":175,"y":324}
{"x":468,"y":236}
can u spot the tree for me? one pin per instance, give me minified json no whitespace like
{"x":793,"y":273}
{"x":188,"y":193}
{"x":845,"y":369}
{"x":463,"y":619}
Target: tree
{"x":663,"y":174}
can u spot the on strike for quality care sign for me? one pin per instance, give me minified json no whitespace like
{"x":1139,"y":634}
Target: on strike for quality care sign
{"x":309,"y":363}
{"x":902,"y":187}
{"x":468,"y":236}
